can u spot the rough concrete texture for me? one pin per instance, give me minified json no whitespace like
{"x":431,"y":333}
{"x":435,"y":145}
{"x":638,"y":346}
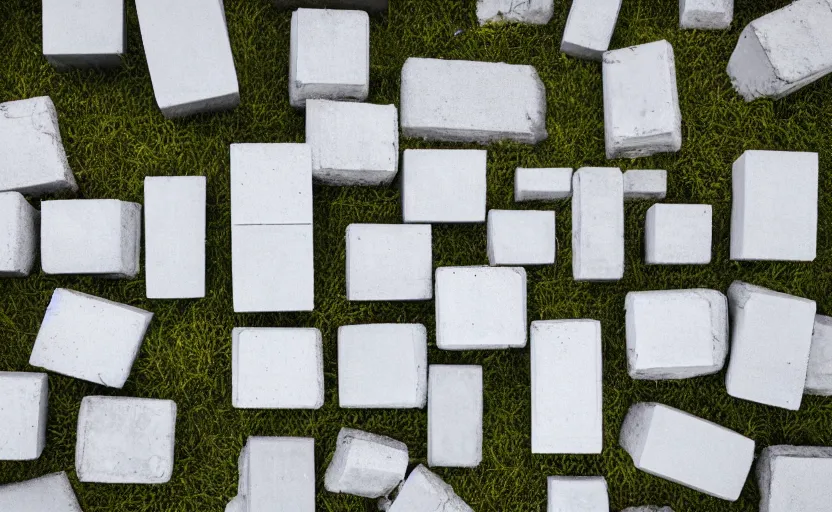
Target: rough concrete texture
{"x":589,"y":28}
{"x":19,"y":223}
{"x":454,"y":416}
{"x":49,"y":493}
{"x":795,"y":478}
{"x":577,"y":494}
{"x":278,"y":474}
{"x":83,"y":34}
{"x":645,"y":184}
{"x":534,"y":12}
{"x":371,"y":6}
{"x":678,"y":234}
{"x":425,"y":491}
{"x":598,"y":224}
{"x":706,"y":14}
{"x":365,"y":464}
{"x":542,"y":184}
{"x":521,"y":237}
{"x":24,"y":406}
{"x":819,"y":373}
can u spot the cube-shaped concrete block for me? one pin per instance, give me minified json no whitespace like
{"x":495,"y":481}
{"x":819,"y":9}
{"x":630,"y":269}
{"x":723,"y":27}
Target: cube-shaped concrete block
{"x":480,"y":308}
{"x":89,"y":338}
{"x":91,"y":236}
{"x":521,"y":237}
{"x":645,"y":184}
{"x":677,"y":446}
{"x":444,"y":185}
{"x":577,"y":494}
{"x":19,"y":223}
{"x":424,"y":490}
{"x":795,"y":478}
{"x":641,"y":102}
{"x":819,"y":373}
{"x":372,"y":6}
{"x":352,"y":143}
{"x":277,"y":368}
{"x":83,"y":34}
{"x":466,"y":101}
{"x":49,"y":493}
{"x":589,"y":28}
{"x":278,"y":473}
{"x":771,"y":337}
{"x":454,"y":416}
{"x":123,"y":440}
{"x":598,"y":224}
{"x":678,"y":234}
{"x":34,"y":161}
{"x":566,"y":386}
{"x":382,"y":366}
{"x":542,"y":184}
{"x":189,"y":56}
{"x":648,"y":508}
{"x":389,"y":262}
{"x":706,"y":14}
{"x":24,"y":406}
{"x":774,"y":213}
{"x":783,"y":51}
{"x":534,"y":12}
{"x":365,"y":464}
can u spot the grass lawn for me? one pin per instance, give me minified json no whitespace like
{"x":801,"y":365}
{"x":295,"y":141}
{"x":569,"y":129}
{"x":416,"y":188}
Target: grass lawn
{"x":115,"y":136}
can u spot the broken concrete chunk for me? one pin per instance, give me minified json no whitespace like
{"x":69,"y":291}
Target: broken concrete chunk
{"x":589,"y":28}
{"x":598,"y":224}
{"x":278,"y":473}
{"x":535,"y":12}
{"x":423,"y":491}
{"x":19,"y":223}
{"x":49,"y":493}
{"x":577,"y":494}
{"x":83,"y":34}
{"x":819,"y":374}
{"x":542,"y":184}
{"x":706,"y":14}
{"x":678,"y":234}
{"x":795,"y":478}
{"x":365,"y":464}
{"x":521,"y":237}
{"x":24,"y":406}
{"x":372,"y":6}
{"x":454,"y":416}
{"x":645,"y":184}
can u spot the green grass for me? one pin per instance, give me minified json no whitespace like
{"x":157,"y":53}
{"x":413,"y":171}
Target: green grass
{"x":114,"y":136}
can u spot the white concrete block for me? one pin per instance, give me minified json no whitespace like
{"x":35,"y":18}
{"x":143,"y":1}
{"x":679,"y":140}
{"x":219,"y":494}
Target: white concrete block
{"x":277,"y":368}
{"x":783,"y":51}
{"x":123,"y":440}
{"x":706,"y":14}
{"x":566,"y":386}
{"x":534,"y":12}
{"x":372,"y":6}
{"x":83,"y":34}
{"x":444,"y":185}
{"x":771,"y":336}
{"x":648,"y":508}
{"x":189,"y":56}
{"x":676,"y":334}
{"x":24,"y":405}
{"x":278,"y":474}
{"x":365,"y":464}
{"x":521,"y":237}
{"x":589,"y":28}
{"x":32,"y":157}
{"x":480,"y":308}
{"x":577,"y":494}
{"x":774,"y":212}
{"x":352,"y":143}
{"x":678,"y":234}
{"x":466,"y":101}
{"x":454,"y":416}
{"x":91,"y":236}
{"x":272,"y":268}
{"x":19,"y":223}
{"x":89,"y":338}
{"x":424,"y":490}
{"x":542,"y":184}
{"x":645,"y":184}
{"x":641,"y":102}
{"x":598,"y":224}
{"x":677,"y":446}
{"x":795,"y":478}
{"x":819,"y":373}
{"x":389,"y":262}
{"x":237,"y":504}
{"x":49,"y":493}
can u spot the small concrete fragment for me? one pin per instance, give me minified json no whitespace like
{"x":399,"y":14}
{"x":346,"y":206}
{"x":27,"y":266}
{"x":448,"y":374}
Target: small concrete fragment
{"x":542,"y":184}
{"x":454,"y":416}
{"x":83,"y":34}
{"x":49,"y":493}
{"x":819,"y":374}
{"x":365,"y":464}
{"x":371,"y":6}
{"x":598,"y":224}
{"x":277,"y":474}
{"x":425,"y":491}
{"x":795,"y":478}
{"x":706,"y":14}
{"x":24,"y":406}
{"x":534,"y":12}
{"x":645,"y":184}
{"x":589,"y":28}
{"x":19,"y":223}
{"x":521,"y":237}
{"x":577,"y":494}
{"x":678,"y":234}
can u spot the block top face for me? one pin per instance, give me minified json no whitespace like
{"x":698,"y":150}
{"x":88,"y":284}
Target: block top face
{"x":332,"y":47}
{"x":589,"y":28}
{"x":521,"y":237}
{"x":90,"y":27}
{"x":578,"y":494}
{"x":23,"y":407}
{"x":819,"y":374}
{"x":706,"y":14}
{"x":279,"y":471}
{"x":645,"y":184}
{"x":49,"y":493}
{"x":793,"y":478}
{"x":365,"y":464}
{"x":424,"y":490}
{"x":679,"y":234}
{"x":535,"y":12}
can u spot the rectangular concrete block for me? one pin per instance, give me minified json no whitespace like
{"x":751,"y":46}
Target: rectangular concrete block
{"x":424,"y":490}
{"x":49,"y":493}
{"x":365,"y":464}
{"x":533,"y":12}
{"x":566,"y":386}
{"x":372,"y":6}
{"x":542,"y":184}
{"x":648,"y":508}
{"x":795,"y":478}
{"x":466,"y":101}
{"x":19,"y":235}
{"x":454,"y":416}
{"x":521,"y":237}
{"x":598,"y":224}
{"x":589,"y":28}
{"x":819,"y":373}
{"x":678,"y":234}
{"x":645,"y":184}
{"x":83,"y":34}
{"x":706,"y":14}
{"x":577,"y":494}
{"x":682,"y":448}
{"x":24,"y":406}
{"x":278,"y":474}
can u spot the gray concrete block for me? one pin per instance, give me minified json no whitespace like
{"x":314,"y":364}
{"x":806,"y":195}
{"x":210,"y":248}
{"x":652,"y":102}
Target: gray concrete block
{"x":24,"y":406}
{"x":645,"y":184}
{"x":533,"y":12}
{"x":598,"y":224}
{"x":19,"y":223}
{"x":49,"y":493}
{"x":425,"y":491}
{"x":589,"y":28}
{"x":678,"y":234}
{"x":365,"y":464}
{"x":795,"y":478}
{"x":84,"y":34}
{"x":542,"y":184}
{"x":819,"y":373}
{"x":454,"y":416}
{"x":706,"y":14}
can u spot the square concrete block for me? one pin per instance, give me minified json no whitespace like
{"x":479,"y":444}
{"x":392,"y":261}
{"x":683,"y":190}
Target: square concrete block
{"x":49,"y":493}
{"x":83,"y":34}
{"x":677,"y":446}
{"x":123,"y":440}
{"x":589,"y":28}
{"x":189,"y":56}
{"x":480,"y":308}
{"x":598,"y":224}
{"x":795,"y":478}
{"x":91,"y":236}
{"x":366,"y":464}
{"x":534,"y":12}
{"x":706,"y":14}
{"x":19,"y":223}
{"x":389,"y":262}
{"x":542,"y":184}
{"x":32,"y":154}
{"x":641,"y":102}
{"x":645,"y":184}
{"x":648,"y":508}
{"x":444,"y":185}
{"x":783,"y":51}
{"x":89,"y":338}
{"x":577,"y":494}
{"x":771,"y":337}
{"x":819,"y":374}
{"x":521,"y":237}
{"x":352,"y":143}
{"x":278,"y":474}
{"x":454,"y":416}
{"x":277,"y":368}
{"x":466,"y":101}
{"x":774,"y":212}
{"x":678,"y":234}
{"x":566,"y":386}
{"x":424,"y":490}
{"x":372,"y":6}
{"x":24,"y":406}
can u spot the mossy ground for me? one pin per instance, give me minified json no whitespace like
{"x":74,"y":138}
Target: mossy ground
{"x":115,"y":136}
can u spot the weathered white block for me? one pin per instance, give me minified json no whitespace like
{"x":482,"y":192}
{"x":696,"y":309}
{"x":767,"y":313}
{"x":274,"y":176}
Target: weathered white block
{"x":89,"y":338}
{"x":19,"y":223}
{"x":389,"y":262}
{"x":641,"y":102}
{"x":566,"y":386}
{"x":678,"y":234}
{"x":466,"y":101}
{"x":382,"y":366}
{"x":124,"y":440}
{"x":480,"y":308}
{"x":783,"y":51}
{"x":774,"y":212}
{"x":589,"y":28}
{"x":189,"y":56}
{"x":598,"y":224}
{"x":819,"y":373}
{"x":645,"y":184}
{"x":277,"y":368}
{"x":542,"y":184}
{"x":352,"y":143}
{"x":648,"y":508}
{"x":771,"y":336}
{"x":795,"y":478}
{"x":91,"y":236}
{"x":32,"y":157}
{"x":424,"y":490}
{"x":706,"y":14}
{"x":534,"y":12}
{"x":365,"y":464}
{"x":677,"y":446}
{"x":83,"y":34}
{"x":577,"y":494}
{"x":24,"y":405}
{"x":49,"y":493}
{"x":454,"y":416}
{"x":521,"y":237}
{"x":278,"y":474}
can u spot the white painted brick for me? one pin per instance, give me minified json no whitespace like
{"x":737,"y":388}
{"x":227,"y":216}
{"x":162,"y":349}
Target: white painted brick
{"x":125,"y":440}
{"x":534,"y":12}
{"x":645,"y":184}
{"x":365,"y":464}
{"x":566,"y":386}
{"x":706,"y":14}
{"x":89,"y":338}
{"x":819,"y":373}
{"x":277,"y":368}
{"x":577,"y":494}
{"x":454,"y":416}
{"x":677,"y":446}
{"x":648,"y":508}
{"x":589,"y":28}
{"x":521,"y":237}
{"x":19,"y":223}
{"x":49,"y":493}
{"x":598,"y":224}
{"x":424,"y":490}
{"x":24,"y":405}
{"x":467,"y":101}
{"x":542,"y":184}
{"x":774,"y":212}
{"x":83,"y":34}
{"x":278,"y":474}
{"x":795,"y":478}
{"x":641,"y":102}
{"x":678,"y":234}
{"x":771,"y":336}
{"x":372,"y":6}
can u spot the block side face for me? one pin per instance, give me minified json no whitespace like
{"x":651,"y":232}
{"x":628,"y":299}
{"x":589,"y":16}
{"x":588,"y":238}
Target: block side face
{"x":542,"y":184}
{"x":454,"y":416}
{"x":589,"y":28}
{"x":93,"y":27}
{"x":49,"y":493}
{"x":534,"y":12}
{"x":23,"y":405}
{"x":281,"y":473}
{"x":706,"y":14}
{"x":444,"y":186}
{"x":598,"y":224}
{"x":19,"y":223}
{"x":645,"y":184}
{"x":819,"y":373}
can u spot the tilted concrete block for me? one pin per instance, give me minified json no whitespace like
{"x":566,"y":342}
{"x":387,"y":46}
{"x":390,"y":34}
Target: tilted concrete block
{"x":424,"y":490}
{"x":83,"y":34}
{"x":598,"y":224}
{"x":542,"y":184}
{"x":706,"y":14}
{"x":24,"y":406}
{"x":795,"y":478}
{"x":372,"y":6}
{"x":577,"y":494}
{"x":365,"y":464}
{"x":19,"y":223}
{"x":589,"y":28}
{"x":645,"y":184}
{"x":49,"y":493}
{"x":534,"y":12}
{"x":454,"y":416}
{"x":678,"y":234}
{"x":521,"y":237}
{"x":278,"y":474}
{"x":819,"y":373}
